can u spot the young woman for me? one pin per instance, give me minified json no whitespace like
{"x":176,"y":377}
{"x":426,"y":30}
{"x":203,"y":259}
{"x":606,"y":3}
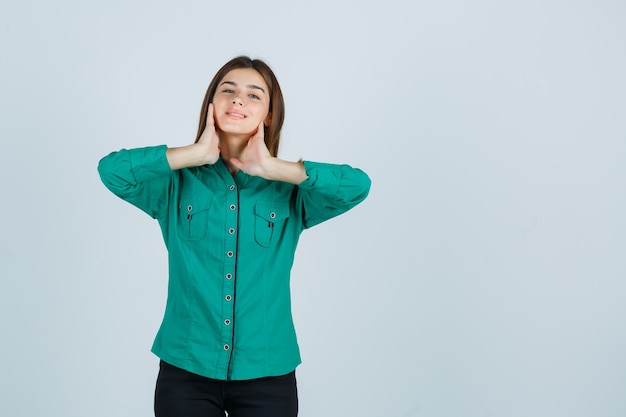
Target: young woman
{"x":231,"y":213}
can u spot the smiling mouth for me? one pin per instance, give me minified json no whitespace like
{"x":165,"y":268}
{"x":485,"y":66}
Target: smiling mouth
{"x":235,"y":115}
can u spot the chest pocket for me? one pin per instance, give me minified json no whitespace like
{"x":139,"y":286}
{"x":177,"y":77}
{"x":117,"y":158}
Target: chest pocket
{"x":193,"y":216}
{"x":269,"y":221}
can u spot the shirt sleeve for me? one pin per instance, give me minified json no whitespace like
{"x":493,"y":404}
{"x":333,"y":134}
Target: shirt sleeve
{"x":330,"y":191}
{"x":139,"y":176}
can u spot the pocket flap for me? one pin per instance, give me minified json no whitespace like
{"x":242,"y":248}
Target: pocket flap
{"x":194,"y":203}
{"x":272,"y":210}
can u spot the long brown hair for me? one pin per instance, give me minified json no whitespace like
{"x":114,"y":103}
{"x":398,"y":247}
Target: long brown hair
{"x":277,"y":104}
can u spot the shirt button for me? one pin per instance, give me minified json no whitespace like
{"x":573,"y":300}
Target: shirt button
{"x":229,"y":276}
{"x":228,"y":298}
{"x":232,"y":207}
{"x":226,"y":347}
{"x":272,"y":215}
{"x":232,"y":187}
{"x":231,"y":231}
{"x":230,"y":253}
{"x":227,"y":322}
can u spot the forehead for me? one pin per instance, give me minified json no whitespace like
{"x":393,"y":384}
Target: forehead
{"x":244,"y":77}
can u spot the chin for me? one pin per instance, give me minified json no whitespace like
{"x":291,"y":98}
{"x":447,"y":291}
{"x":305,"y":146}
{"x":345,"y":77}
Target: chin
{"x":238,"y":132}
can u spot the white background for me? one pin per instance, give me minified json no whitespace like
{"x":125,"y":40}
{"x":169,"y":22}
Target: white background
{"x":485,"y":274}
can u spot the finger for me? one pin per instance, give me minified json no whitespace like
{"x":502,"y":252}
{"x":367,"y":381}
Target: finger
{"x":209,"y":118}
{"x":261,"y":131}
{"x":236,"y":162}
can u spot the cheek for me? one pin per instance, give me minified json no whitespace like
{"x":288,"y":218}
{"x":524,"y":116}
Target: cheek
{"x":261,"y":113}
{"x":219,"y":102}
{"x":265,"y":112}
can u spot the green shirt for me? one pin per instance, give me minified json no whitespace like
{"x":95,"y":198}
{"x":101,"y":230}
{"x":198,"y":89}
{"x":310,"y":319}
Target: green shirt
{"x":231,"y":242}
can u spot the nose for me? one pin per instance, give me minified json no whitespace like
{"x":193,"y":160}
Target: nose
{"x":237,"y":100}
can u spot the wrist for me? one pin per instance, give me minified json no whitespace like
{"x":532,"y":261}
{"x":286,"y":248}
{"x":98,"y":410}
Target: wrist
{"x":271,"y":168}
{"x":286,"y":171}
{"x":201,"y":154}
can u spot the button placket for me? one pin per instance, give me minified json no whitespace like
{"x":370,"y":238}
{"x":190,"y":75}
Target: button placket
{"x":231,"y":205}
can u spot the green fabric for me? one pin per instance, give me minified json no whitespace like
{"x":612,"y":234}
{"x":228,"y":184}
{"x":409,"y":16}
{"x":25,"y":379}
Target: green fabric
{"x":231,"y":244}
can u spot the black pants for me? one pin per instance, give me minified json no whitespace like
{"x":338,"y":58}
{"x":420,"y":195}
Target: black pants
{"x":183,"y":394}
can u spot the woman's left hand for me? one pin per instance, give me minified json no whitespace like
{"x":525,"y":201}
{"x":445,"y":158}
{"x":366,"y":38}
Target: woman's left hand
{"x":255,"y":158}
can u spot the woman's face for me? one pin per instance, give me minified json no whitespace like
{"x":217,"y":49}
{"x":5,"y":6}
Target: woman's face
{"x":241,"y":102}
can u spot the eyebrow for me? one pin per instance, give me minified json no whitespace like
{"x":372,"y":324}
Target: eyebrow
{"x":255,"y":87}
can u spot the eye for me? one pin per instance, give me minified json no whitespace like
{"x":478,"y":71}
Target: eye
{"x":254,"y":96}
{"x":227,"y":90}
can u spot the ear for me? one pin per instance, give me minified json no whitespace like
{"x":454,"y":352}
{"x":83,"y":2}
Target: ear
{"x":267,"y":120}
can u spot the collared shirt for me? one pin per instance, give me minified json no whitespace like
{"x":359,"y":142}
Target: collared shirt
{"x":231,"y":242}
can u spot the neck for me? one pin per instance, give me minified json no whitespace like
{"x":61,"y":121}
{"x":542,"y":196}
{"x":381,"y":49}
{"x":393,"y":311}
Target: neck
{"x":232,"y":146}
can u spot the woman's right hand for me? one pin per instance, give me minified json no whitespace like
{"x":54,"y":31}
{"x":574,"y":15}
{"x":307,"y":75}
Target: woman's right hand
{"x":208,"y":144}
{"x":205,"y":151}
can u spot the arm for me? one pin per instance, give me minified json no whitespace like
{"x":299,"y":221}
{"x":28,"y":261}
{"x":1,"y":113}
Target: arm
{"x":140,"y":176}
{"x":324,"y":190}
{"x":330,"y":190}
{"x":280,"y":170}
